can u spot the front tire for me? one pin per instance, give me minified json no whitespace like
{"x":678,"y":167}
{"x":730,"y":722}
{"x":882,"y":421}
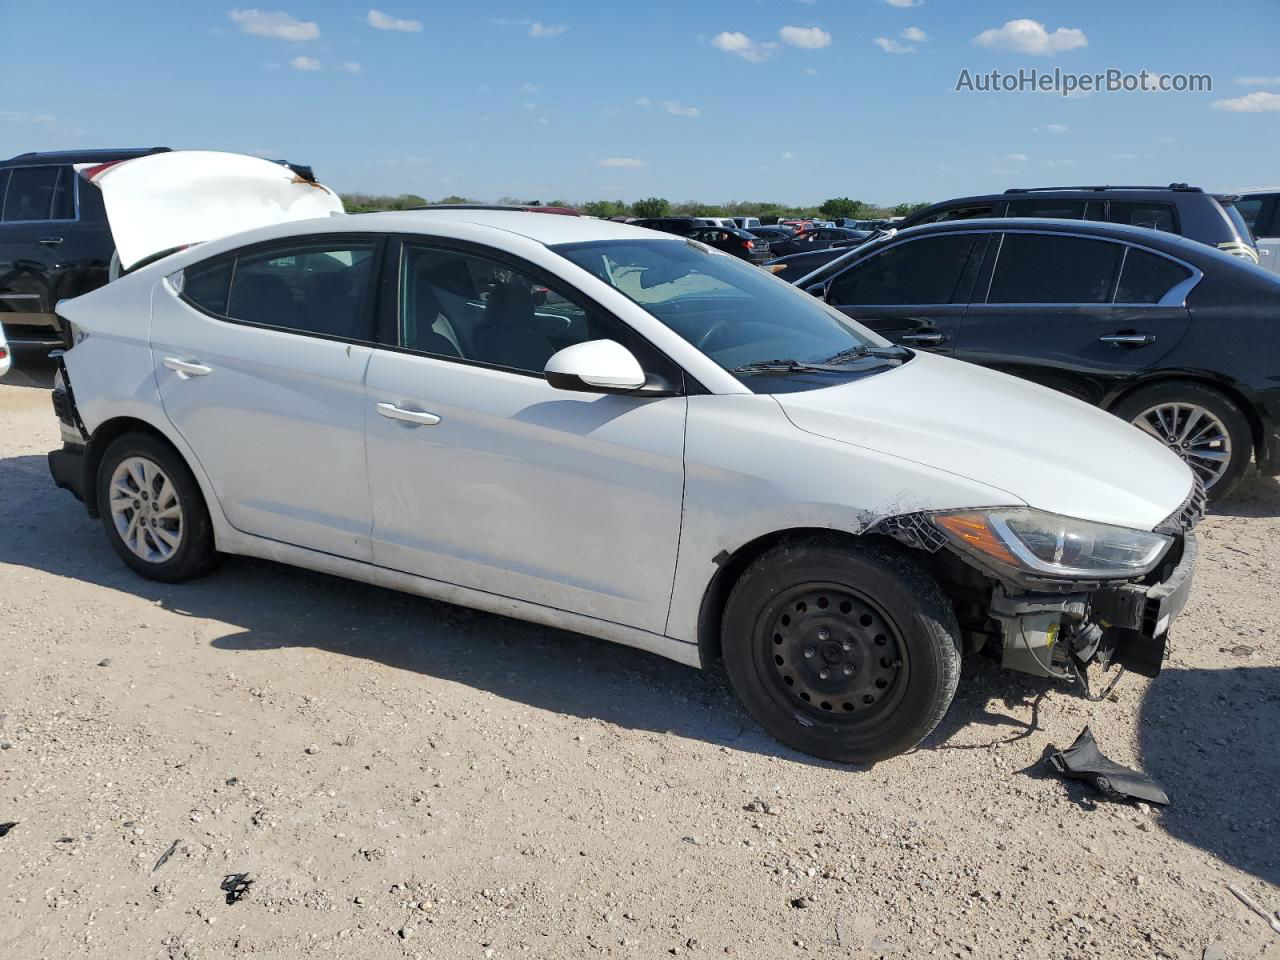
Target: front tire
{"x":846,"y":652}
{"x":153,"y":511}
{"x":1202,"y":426}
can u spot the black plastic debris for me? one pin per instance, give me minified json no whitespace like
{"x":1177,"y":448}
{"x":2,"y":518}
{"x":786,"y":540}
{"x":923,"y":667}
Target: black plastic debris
{"x":235,"y":886}
{"x":6,"y":827}
{"x":164,"y":857}
{"x":1084,"y":761}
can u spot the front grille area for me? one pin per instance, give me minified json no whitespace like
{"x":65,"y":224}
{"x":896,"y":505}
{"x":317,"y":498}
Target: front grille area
{"x":1189,"y":513}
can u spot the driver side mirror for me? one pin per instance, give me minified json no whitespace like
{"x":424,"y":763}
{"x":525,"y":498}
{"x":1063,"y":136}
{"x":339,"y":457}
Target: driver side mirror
{"x":597,"y":366}
{"x":818,"y":290}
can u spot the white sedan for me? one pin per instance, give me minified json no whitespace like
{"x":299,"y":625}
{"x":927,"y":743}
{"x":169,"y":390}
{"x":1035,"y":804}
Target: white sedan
{"x":622,"y":433}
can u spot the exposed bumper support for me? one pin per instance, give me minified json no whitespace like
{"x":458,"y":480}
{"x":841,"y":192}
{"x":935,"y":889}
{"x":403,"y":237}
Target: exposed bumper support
{"x":67,"y":468}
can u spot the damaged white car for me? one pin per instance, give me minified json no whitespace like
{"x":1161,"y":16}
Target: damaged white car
{"x":633,"y":436}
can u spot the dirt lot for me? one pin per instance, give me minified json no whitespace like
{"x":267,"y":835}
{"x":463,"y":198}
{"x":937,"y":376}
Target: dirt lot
{"x":402,"y":778}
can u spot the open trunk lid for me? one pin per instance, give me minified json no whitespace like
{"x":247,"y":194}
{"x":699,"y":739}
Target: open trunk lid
{"x":167,"y":201}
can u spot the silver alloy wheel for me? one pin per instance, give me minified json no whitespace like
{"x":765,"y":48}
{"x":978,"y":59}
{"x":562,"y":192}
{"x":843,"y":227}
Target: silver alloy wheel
{"x":1193,"y":433}
{"x":146,"y":510}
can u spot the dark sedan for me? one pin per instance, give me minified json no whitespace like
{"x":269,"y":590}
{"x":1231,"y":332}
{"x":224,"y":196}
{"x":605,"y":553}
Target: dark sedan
{"x":1177,"y":337}
{"x":818,"y":238}
{"x":732,"y":240}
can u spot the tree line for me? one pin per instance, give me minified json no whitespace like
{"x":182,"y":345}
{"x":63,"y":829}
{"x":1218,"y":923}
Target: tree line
{"x":831,"y":209}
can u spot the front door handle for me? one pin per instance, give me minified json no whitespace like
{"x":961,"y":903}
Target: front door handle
{"x":50,"y":241}
{"x":924,"y":339}
{"x":1128,"y":339}
{"x":186,"y":369}
{"x":419,"y":418}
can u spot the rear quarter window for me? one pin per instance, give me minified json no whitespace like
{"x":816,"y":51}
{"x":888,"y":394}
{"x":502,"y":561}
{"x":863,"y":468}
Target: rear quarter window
{"x":1054,"y":209}
{"x":1154,"y":216}
{"x":1146,"y":277}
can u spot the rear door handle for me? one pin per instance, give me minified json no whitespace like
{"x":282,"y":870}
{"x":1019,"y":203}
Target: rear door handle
{"x":186,"y":369}
{"x":419,"y":418}
{"x":1128,"y":339}
{"x":50,"y":241}
{"x":924,"y":338}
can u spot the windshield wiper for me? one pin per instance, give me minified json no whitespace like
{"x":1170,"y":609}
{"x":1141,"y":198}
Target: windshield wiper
{"x":785,"y":365}
{"x":891,"y":352}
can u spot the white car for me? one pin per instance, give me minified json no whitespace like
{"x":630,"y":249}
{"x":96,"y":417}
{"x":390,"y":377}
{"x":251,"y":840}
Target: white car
{"x":6,"y":361}
{"x":629,"y":435}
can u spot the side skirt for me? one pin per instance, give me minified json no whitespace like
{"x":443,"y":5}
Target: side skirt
{"x":677,"y":650}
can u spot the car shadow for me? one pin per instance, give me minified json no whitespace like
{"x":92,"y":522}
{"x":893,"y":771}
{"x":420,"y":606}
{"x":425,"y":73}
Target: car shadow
{"x":1257,"y":496}
{"x":1213,"y":734}
{"x":31,"y":368}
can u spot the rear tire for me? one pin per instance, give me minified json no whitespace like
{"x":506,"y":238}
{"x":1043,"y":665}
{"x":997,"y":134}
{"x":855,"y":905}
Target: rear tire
{"x":1200,"y":425}
{"x":849,"y":652}
{"x":153,"y":511}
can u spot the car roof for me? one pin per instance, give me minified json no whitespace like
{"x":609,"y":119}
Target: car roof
{"x":80,"y":156}
{"x":539,"y":227}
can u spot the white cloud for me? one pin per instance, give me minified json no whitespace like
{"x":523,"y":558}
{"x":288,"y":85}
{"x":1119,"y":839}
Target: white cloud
{"x":1051,"y":128}
{"x":678,"y":109}
{"x":904,"y":3}
{"x":305,"y":63}
{"x":278,"y":25}
{"x":1030,"y":36}
{"x":528,"y":88}
{"x":914,"y":34}
{"x":350,"y":66}
{"x":743,"y":46}
{"x":1258,"y":81}
{"x":810,"y":72}
{"x":1257,"y":102}
{"x":1014,"y":157}
{"x":18,"y":116}
{"x":643,"y":102}
{"x":386,"y":22}
{"x":621,"y":162}
{"x":1123,"y":156}
{"x":787,"y":155}
{"x":889,"y":45}
{"x":806,"y":38}
{"x":1059,"y":163}
{"x":543,"y":32}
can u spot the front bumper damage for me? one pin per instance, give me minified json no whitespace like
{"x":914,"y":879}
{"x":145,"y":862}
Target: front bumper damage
{"x":1060,"y":635}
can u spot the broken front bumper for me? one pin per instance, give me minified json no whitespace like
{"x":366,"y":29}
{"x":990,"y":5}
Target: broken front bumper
{"x":1127,"y":624}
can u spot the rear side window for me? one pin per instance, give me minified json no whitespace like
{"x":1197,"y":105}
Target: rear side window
{"x":921,"y":271}
{"x":972,"y":212}
{"x":1154,"y":216}
{"x":1037,"y":268}
{"x":1146,"y":278}
{"x":207,"y":284}
{"x":1056,"y":209}
{"x":30,"y":193}
{"x":313,"y":287}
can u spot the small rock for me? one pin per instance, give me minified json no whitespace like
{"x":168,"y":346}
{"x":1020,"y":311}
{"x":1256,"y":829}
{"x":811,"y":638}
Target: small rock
{"x":802,"y":903}
{"x":104,"y":662}
{"x":696,"y":841}
{"x":1215,"y":951}
{"x":313,"y":749}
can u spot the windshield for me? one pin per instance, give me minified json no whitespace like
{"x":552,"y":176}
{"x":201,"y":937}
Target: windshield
{"x":735,"y":313}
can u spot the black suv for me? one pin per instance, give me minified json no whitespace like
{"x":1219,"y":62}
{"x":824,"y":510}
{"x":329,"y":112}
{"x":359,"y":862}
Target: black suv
{"x":680,"y":226}
{"x":55,"y":242}
{"x":1177,"y":208}
{"x":1177,"y":338}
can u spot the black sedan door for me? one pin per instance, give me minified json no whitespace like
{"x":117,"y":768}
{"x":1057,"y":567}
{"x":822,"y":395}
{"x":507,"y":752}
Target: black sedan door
{"x":914,"y":292}
{"x":1081,"y":315}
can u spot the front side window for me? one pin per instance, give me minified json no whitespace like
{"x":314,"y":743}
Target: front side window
{"x":1146,"y":278}
{"x":30,"y":193}
{"x":1154,"y":216}
{"x":735,"y":313}
{"x":925,"y":271}
{"x":317,"y":286}
{"x":467,"y":307}
{"x":1041,"y":268}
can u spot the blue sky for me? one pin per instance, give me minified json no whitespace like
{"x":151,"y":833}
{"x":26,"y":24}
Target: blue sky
{"x":707,"y":99}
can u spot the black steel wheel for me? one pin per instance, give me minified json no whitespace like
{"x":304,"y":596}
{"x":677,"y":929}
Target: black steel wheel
{"x":844,"y":650}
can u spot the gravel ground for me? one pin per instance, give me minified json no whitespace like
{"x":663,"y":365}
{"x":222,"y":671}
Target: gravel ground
{"x":402,"y":778}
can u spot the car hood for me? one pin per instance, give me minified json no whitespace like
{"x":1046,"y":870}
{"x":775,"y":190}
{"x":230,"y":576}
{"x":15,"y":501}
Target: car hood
{"x":165,"y":201}
{"x":1045,"y":449}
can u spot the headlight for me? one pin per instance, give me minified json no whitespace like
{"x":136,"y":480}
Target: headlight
{"x":1054,"y":546}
